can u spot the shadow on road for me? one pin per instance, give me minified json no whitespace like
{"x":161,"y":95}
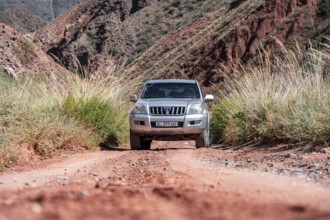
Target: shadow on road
{"x":153,"y":149}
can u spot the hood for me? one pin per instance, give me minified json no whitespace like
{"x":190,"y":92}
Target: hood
{"x":169,"y":102}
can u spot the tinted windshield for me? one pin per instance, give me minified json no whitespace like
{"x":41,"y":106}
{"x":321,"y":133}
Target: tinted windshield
{"x":171,"y":90}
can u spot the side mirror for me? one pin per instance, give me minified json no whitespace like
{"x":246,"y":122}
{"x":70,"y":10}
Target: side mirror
{"x":133,"y":98}
{"x":209,"y":98}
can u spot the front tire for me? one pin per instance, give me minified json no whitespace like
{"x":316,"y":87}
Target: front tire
{"x":203,"y":140}
{"x":137,"y":143}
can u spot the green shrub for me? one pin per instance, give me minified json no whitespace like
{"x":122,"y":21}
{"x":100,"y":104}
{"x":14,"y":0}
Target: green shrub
{"x":49,"y":114}
{"x":107,"y":119}
{"x":176,"y":4}
{"x":113,"y":52}
{"x":29,"y":120}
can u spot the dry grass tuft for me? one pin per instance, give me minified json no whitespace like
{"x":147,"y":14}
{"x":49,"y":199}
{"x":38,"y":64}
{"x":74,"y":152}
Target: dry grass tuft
{"x":54,"y":113}
{"x":287,"y":98}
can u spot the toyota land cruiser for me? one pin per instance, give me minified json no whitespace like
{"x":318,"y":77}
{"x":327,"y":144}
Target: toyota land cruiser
{"x":170,"y":110}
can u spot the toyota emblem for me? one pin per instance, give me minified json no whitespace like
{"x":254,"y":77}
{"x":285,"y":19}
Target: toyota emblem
{"x":167,"y":110}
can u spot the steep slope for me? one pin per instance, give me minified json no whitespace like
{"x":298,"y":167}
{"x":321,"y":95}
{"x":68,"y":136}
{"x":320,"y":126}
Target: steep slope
{"x":97,"y":32}
{"x":210,"y":49}
{"x":19,"y":55}
{"x":22,"y":20}
{"x":45,"y":9}
{"x":201,"y":39}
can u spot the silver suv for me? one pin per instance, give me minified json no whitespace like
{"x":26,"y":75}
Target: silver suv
{"x":170,"y":110}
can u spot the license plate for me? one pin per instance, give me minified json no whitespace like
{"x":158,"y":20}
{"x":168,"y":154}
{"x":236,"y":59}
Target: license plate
{"x":166,"y":124}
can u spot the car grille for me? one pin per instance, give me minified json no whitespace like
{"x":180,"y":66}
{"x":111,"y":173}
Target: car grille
{"x":180,"y":124}
{"x":168,"y":110}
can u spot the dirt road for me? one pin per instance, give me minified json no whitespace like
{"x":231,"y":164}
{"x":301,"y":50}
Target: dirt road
{"x":168,"y":182}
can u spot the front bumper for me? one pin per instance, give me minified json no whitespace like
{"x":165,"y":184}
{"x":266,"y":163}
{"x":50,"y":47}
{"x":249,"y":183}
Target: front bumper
{"x":189,"y":124}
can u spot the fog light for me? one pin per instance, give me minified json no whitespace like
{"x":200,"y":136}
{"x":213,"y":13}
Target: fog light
{"x":136,"y":122}
{"x":195,"y":122}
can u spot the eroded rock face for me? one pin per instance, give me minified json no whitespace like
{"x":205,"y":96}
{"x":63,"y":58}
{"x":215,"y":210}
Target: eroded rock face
{"x":282,"y":19}
{"x":98,"y":33}
{"x":85,"y":33}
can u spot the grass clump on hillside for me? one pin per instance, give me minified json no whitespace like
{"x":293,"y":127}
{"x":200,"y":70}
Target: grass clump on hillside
{"x":25,"y":51}
{"x":285,"y":99}
{"x":47,"y":115}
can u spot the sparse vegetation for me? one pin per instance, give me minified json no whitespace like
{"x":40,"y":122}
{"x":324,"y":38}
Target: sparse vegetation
{"x":25,"y":51}
{"x":285,"y":99}
{"x":324,"y":8}
{"x":113,"y":51}
{"x":235,"y":4}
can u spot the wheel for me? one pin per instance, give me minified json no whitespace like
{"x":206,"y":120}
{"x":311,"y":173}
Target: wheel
{"x":203,"y":140}
{"x":146,"y":144}
{"x":137,"y":143}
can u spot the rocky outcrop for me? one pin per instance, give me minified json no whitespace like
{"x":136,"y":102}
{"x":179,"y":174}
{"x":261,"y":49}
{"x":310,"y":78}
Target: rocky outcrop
{"x":281,"y":19}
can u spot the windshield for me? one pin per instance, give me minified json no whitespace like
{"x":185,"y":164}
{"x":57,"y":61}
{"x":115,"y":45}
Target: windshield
{"x":171,"y":90}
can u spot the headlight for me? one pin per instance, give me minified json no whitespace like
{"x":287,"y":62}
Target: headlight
{"x":195,"y":109}
{"x":140,"y":109}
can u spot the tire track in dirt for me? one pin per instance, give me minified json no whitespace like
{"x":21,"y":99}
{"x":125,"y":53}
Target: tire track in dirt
{"x":163,"y":183}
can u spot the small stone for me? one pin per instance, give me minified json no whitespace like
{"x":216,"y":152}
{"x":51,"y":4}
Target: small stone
{"x":84,"y":193}
{"x":62,"y":178}
{"x":36,"y":208}
{"x":327,"y":169}
{"x":97,"y":184}
{"x":325,"y":150}
{"x":270,"y":165}
{"x":303,"y":165}
{"x":290,"y":155}
{"x":94,"y":174}
{"x":315,"y":165}
{"x":249,"y":160}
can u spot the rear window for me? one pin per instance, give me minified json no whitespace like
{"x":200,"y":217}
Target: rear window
{"x":171,"y":90}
